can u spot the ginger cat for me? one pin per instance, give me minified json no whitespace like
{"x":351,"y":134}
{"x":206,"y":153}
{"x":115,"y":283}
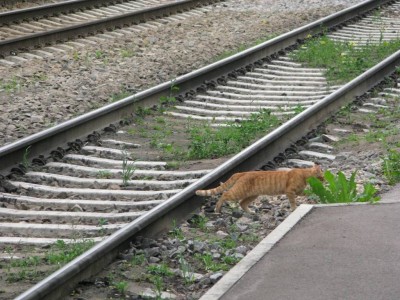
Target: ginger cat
{"x":247,"y":186}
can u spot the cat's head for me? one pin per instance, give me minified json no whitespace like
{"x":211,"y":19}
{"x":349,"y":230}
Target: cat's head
{"x":317,"y":172}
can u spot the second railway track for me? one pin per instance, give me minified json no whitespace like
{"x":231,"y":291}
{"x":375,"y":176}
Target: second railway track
{"x":49,"y":25}
{"x":85,"y":183}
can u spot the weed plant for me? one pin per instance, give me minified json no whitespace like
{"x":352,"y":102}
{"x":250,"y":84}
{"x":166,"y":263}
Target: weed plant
{"x":176,"y":232}
{"x":142,"y":112}
{"x":210,"y":264}
{"x":104,"y":174}
{"x":228,"y":243}
{"x":391,"y":166}
{"x":200,"y":221}
{"x":161,"y":270}
{"x":208,"y":142}
{"x":339,"y":189}
{"x":127,"y":52}
{"x":25,"y":159}
{"x":230,"y":260}
{"x":9,"y":86}
{"x":343,"y":61}
{"x":127,"y":169}
{"x":158,"y":286}
{"x":59,"y":254}
{"x":137,"y":260}
{"x":170,"y":99}
{"x":121,"y":286}
{"x":187,"y":270}
{"x":62,"y":253}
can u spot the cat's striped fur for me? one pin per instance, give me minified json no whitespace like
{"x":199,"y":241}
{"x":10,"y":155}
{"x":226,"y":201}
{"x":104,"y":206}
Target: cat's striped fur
{"x":247,"y":186}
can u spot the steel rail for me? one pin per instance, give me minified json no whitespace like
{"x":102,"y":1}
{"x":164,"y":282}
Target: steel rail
{"x":14,"y":45}
{"x":52,"y":9}
{"x":5,"y":2}
{"x":78,"y":128}
{"x":185,"y":202}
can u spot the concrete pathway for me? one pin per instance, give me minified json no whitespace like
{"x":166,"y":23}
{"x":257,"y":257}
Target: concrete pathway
{"x":323,"y":252}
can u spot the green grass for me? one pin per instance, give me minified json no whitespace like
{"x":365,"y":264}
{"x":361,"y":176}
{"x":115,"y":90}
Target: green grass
{"x":200,"y":222}
{"x":59,"y":254}
{"x":120,"y":286}
{"x":127,"y":169}
{"x":127,"y":52}
{"x":391,"y":166}
{"x":161,"y":270}
{"x":230,"y":260}
{"x":138,"y":260}
{"x":25,"y":158}
{"x":10,"y":85}
{"x":343,"y":61}
{"x":228,"y":243}
{"x":99,"y":54}
{"x":208,"y":142}
{"x":158,"y":286}
{"x":187,"y":270}
{"x":176,"y":232}
{"x":23,"y":274}
{"x":62,"y":253}
{"x":106,"y":174}
{"x":249,"y":238}
{"x":30,"y":261}
{"x":142,"y":112}
{"x":173,"y":165}
{"x":210,"y":264}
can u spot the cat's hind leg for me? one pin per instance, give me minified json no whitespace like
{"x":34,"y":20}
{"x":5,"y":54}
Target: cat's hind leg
{"x":244,"y":203}
{"x":292,"y":199}
{"x":225,"y":197}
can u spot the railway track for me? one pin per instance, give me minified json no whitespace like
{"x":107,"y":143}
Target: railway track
{"x":7,"y":5}
{"x":29,"y":29}
{"x":79,"y":189}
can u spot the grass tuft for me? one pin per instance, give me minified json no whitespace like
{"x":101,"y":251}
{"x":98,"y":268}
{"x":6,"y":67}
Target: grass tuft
{"x":391,"y":166}
{"x":343,"y":61}
{"x":208,"y":142}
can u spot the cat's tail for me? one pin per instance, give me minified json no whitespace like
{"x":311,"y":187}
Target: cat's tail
{"x":223,"y":186}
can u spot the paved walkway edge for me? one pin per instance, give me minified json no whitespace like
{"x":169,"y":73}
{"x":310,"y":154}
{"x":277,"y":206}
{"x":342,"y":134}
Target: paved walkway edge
{"x":237,"y":272}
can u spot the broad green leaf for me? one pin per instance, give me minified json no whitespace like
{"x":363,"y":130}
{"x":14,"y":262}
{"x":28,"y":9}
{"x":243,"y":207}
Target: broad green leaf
{"x":330,"y":178}
{"x":340,"y":189}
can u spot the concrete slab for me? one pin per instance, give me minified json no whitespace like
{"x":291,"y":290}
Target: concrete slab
{"x":330,"y":252}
